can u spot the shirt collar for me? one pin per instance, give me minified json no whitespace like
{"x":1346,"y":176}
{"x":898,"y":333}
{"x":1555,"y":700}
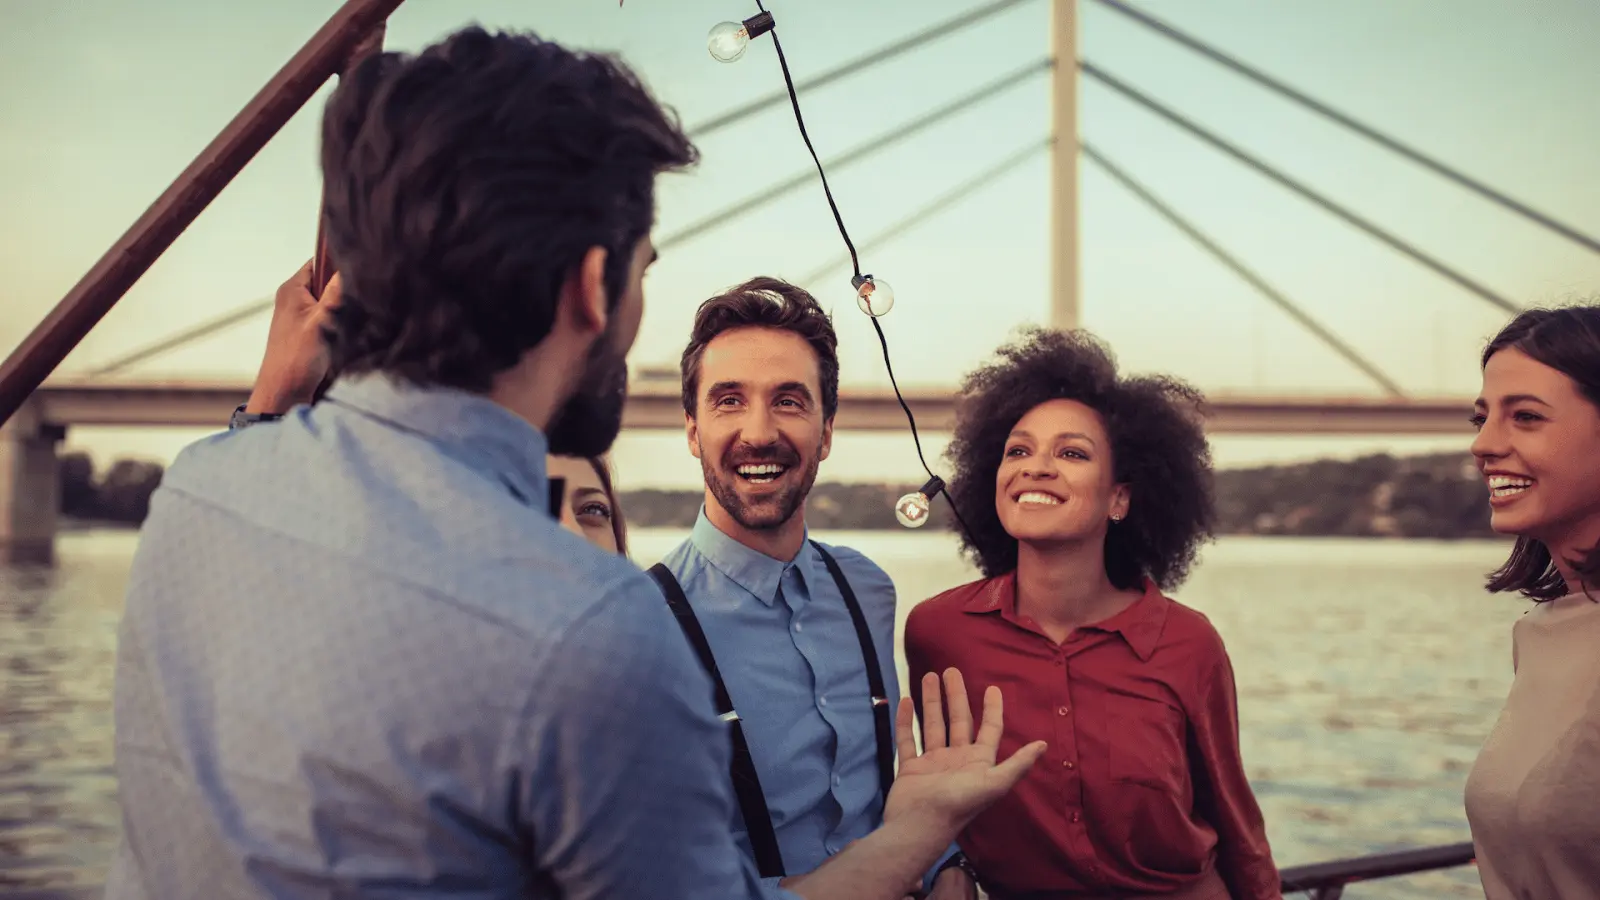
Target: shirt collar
{"x":752,"y":570}
{"x":1140,"y":624}
{"x":469,"y":428}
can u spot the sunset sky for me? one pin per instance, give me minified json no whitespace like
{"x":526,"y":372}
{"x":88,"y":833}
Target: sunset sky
{"x":103,"y":102}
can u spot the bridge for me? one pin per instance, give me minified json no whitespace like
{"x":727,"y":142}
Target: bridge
{"x":36,"y":410}
{"x":62,"y":404}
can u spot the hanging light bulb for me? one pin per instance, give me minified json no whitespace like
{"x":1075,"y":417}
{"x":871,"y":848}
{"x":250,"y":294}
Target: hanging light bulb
{"x":728,"y":40}
{"x":913,"y":509}
{"x":873,"y":295}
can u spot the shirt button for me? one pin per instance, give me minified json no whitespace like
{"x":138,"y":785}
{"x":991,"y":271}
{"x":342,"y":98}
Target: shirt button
{"x":1074,"y":817}
{"x":1062,"y":710}
{"x":1067,"y":763}
{"x":822,"y":701}
{"x":836,"y":781}
{"x":797,"y":627}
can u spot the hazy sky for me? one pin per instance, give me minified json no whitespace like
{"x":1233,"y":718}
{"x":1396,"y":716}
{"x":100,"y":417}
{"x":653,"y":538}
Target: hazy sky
{"x":102,"y":102}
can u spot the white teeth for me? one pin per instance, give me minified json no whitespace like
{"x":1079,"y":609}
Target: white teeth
{"x":765,"y":473}
{"x":1038,"y":497}
{"x":1508,"y":485}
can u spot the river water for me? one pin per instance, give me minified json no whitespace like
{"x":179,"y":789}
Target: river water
{"x":1369,"y":673}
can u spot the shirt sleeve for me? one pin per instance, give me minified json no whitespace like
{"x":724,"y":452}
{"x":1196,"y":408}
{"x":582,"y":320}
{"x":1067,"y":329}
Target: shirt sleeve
{"x":1222,"y":791}
{"x":625,"y":790}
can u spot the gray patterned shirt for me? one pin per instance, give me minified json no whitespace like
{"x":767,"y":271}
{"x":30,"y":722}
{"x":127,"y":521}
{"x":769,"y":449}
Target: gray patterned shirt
{"x":360,"y":660}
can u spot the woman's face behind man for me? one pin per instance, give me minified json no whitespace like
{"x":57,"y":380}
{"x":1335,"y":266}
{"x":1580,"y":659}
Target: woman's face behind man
{"x":587,"y":510}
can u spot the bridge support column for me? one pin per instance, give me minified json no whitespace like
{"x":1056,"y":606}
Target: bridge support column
{"x":30,"y":488}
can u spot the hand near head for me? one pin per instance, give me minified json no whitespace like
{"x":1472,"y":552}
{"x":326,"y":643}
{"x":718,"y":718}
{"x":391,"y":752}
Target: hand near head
{"x":296,"y":358}
{"x":956,"y":776}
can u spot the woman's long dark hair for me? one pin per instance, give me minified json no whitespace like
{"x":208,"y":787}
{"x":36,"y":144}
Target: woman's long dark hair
{"x":619,"y":528}
{"x":1567,"y":340}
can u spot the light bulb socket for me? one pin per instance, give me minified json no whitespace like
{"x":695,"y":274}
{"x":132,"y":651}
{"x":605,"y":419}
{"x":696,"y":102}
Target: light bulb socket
{"x":858,"y":280}
{"x":932,"y":488}
{"x":759,"y":24}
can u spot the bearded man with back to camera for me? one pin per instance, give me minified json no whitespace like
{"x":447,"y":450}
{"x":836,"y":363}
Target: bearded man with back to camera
{"x":359,"y":657}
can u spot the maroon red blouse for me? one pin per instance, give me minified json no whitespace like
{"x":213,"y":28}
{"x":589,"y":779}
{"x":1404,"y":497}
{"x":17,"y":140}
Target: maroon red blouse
{"x":1142,"y":788}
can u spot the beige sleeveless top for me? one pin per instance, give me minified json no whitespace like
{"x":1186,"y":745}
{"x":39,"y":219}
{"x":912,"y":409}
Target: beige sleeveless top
{"x":1533,"y":798}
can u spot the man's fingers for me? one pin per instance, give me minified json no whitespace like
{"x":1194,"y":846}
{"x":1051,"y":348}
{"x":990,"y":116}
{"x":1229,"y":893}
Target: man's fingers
{"x":333,"y":293}
{"x":994,"y":718}
{"x":1011,"y":771}
{"x":932,"y":714}
{"x":905,"y":725}
{"x":297,"y":287}
{"x":960,"y":709}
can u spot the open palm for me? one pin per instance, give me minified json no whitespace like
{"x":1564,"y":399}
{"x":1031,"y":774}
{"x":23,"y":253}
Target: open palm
{"x":955,"y":777}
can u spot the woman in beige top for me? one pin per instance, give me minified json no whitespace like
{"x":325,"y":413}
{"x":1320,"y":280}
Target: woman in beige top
{"x":1533,"y":798}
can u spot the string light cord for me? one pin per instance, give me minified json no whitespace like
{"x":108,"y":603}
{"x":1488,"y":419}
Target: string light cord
{"x":935,"y":483}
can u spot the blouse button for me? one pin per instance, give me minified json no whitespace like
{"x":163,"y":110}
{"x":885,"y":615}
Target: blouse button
{"x":1074,"y":817}
{"x":1067,"y":763}
{"x":1062,"y":710}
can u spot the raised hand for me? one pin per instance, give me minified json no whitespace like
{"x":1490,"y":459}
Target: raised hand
{"x":296,"y":357}
{"x":955,"y":777}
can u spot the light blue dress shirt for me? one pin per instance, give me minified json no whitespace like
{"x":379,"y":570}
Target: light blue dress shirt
{"x":789,"y":655}
{"x":360,"y":660}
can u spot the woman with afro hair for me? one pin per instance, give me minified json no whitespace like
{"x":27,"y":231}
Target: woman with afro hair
{"x":1087,"y":494}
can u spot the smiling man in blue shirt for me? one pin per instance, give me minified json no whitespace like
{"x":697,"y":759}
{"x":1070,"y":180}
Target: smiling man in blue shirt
{"x":359,"y":657}
{"x":801,"y":634}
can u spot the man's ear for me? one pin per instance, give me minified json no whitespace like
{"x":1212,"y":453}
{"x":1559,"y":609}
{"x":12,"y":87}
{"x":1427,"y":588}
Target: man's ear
{"x":691,"y":431}
{"x":584,"y":300}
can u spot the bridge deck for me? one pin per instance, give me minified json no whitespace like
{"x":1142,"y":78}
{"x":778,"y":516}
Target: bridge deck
{"x":655,"y":405}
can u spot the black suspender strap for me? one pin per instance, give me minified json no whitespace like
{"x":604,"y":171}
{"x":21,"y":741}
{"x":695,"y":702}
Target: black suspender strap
{"x":746,"y":784}
{"x":869,"y":653}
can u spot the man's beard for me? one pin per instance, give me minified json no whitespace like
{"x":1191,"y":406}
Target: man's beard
{"x":772,"y":510}
{"x":589,"y":422}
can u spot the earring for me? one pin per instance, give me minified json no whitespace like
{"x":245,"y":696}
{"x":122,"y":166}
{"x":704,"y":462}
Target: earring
{"x":1116,"y":517}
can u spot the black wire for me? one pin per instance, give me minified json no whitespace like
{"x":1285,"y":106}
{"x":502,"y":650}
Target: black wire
{"x":1322,"y":332}
{"x":1366,"y":131}
{"x":855,"y":265}
{"x":855,"y":66}
{"x":1263,"y":168}
{"x":799,"y":120}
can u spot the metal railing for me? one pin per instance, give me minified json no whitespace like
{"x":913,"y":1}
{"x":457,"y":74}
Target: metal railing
{"x":1327,"y":880}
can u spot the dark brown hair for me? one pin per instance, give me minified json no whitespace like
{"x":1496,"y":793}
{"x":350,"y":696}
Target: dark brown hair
{"x":619,"y":528}
{"x":764,"y":303}
{"x":1158,"y":448}
{"x":1567,"y":340}
{"x":464,"y":184}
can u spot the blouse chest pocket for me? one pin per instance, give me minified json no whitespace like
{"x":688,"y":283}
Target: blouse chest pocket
{"x":1147,"y":744}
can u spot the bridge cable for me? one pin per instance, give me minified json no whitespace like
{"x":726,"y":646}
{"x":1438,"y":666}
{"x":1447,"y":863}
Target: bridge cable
{"x":855,"y":66}
{"x":1366,"y":131}
{"x":934,"y":207}
{"x":714,"y":124}
{"x":883,"y":140}
{"x":1305,"y":192}
{"x":173,"y":342}
{"x":1277,"y":297}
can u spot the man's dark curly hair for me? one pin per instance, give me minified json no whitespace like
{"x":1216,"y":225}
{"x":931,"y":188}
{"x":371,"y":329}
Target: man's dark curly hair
{"x":464,"y":184}
{"x":764,"y":302}
{"x":1158,"y":448}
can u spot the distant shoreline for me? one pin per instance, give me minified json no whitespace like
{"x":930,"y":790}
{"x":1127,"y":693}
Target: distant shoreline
{"x":1438,"y":497}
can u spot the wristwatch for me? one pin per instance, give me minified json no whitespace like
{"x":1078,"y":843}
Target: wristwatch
{"x":240,"y":418}
{"x":959,"y":860}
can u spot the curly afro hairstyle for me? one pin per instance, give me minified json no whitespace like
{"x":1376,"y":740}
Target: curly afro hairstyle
{"x":1158,"y":448}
